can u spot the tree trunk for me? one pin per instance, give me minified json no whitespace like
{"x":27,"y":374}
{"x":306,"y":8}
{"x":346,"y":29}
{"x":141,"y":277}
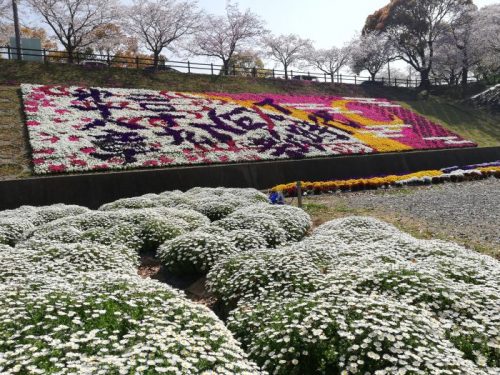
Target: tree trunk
{"x":71,"y":55}
{"x":465,"y":76}
{"x":425,"y":82}
{"x":286,"y":71}
{"x":373,"y":75}
{"x":156,"y":59}
{"x":225,"y":67}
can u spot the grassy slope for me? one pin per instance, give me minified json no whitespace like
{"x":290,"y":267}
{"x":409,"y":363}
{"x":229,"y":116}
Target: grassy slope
{"x":14,"y":150}
{"x":477,"y":125}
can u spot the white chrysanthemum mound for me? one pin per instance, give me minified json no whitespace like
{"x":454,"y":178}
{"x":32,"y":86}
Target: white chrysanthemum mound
{"x":344,"y":331}
{"x":65,"y":259}
{"x":5,"y":248}
{"x":263,"y":273}
{"x":194,"y":252}
{"x":266,"y":225}
{"x":367,"y":264}
{"x":246,"y":239}
{"x":16,"y":224}
{"x":138,"y":229}
{"x":467,"y":313}
{"x":293,"y":220}
{"x":108,"y":324}
{"x":215,"y":203}
{"x":356,"y":230}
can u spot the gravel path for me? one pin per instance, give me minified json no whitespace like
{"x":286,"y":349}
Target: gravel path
{"x":467,"y":212}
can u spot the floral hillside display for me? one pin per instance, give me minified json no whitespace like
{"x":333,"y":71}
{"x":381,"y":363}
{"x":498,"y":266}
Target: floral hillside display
{"x":84,"y":129}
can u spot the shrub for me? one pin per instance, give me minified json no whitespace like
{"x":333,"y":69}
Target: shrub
{"x":258,"y":274}
{"x":109,"y":324}
{"x":357,"y":230}
{"x":261,"y":223}
{"x":467,"y":313}
{"x":14,"y":230}
{"x":340,"y":331}
{"x":194,"y":252}
{"x":295,"y":221}
{"x":140,"y":229}
{"x":65,"y":260}
{"x":215,"y":203}
{"x":246,"y":239}
{"x":16,"y":224}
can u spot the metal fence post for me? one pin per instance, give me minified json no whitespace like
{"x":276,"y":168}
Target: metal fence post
{"x":8,"y":52}
{"x":299,"y":193}
{"x":189,"y":67}
{"x":273,"y":74}
{"x":137,"y":62}
{"x":325,"y":78}
{"x":45,"y":56}
{"x":341,"y":78}
{"x":212,"y":68}
{"x":355,"y":79}
{"x":108,"y":59}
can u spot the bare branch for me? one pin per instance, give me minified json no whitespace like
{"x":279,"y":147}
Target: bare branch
{"x":222,"y":36}
{"x":74,"y":21}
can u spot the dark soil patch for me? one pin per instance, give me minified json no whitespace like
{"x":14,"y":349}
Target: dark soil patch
{"x":193,"y":285}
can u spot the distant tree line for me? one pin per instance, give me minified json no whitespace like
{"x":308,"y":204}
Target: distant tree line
{"x":439,"y":39}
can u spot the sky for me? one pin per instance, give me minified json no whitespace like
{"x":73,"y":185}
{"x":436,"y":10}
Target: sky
{"x":326,"y":22}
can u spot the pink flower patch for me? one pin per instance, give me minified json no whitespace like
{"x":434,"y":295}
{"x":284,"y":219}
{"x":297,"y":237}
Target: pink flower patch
{"x":57,"y":167}
{"x":78,"y":162}
{"x":87,"y":150}
{"x":150,"y":163}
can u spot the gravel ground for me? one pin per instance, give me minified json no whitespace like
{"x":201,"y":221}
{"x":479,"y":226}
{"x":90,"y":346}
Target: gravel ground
{"x":467,"y":212}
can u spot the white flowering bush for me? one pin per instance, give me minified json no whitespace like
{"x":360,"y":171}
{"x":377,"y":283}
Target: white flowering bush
{"x":246,"y":239}
{"x":263,"y":273}
{"x":194,"y":252}
{"x":354,"y":296}
{"x":104,"y":323}
{"x":338,"y":332}
{"x":214,"y":203}
{"x":65,"y":259}
{"x":140,"y":229}
{"x":266,"y":225}
{"x":467,"y":313}
{"x":295,"y":221}
{"x":363,"y":297}
{"x":357,"y":230}
{"x":16,"y":224}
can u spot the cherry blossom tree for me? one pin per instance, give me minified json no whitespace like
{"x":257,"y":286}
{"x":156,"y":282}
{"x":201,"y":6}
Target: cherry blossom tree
{"x":159,"y":24}
{"x":287,"y":49}
{"x":329,"y":60}
{"x":222,"y":36}
{"x":486,"y":34}
{"x":371,"y":52}
{"x":74,"y":21}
